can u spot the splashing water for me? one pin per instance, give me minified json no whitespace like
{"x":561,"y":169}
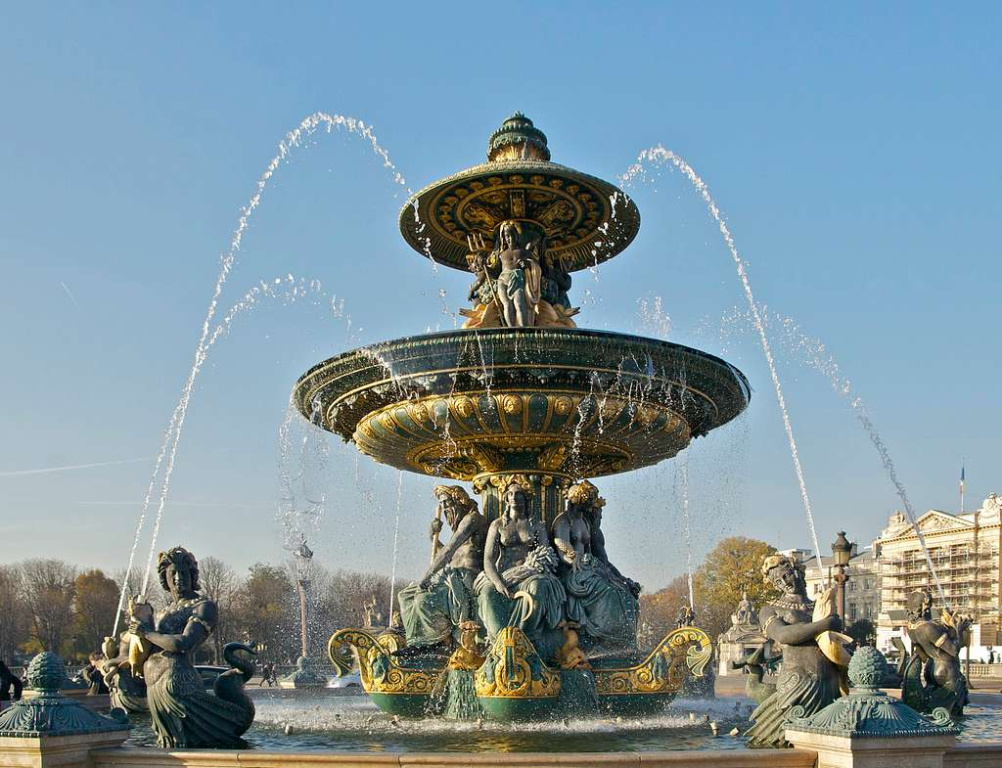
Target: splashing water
{"x":660,"y":156}
{"x":396,"y":539}
{"x":168,"y":450}
{"x":815,"y":354}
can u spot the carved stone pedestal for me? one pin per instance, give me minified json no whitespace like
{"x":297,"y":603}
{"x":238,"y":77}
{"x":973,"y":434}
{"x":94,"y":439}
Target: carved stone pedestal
{"x":56,"y":751}
{"x":868,"y":729}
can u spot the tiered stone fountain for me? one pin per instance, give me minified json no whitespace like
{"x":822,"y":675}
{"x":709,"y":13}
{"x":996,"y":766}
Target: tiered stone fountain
{"x":522,"y":404}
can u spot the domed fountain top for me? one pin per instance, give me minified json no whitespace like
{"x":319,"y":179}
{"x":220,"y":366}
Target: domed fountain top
{"x":517,"y":139}
{"x":585,"y":220}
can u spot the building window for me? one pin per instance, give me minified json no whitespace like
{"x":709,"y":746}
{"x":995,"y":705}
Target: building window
{"x":852,"y":586}
{"x":852,"y":612}
{"x":868,"y":584}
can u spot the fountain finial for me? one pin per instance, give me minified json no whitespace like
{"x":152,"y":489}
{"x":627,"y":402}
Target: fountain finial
{"x":517,"y":139}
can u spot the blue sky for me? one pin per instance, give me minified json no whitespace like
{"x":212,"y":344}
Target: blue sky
{"x":854,"y":151}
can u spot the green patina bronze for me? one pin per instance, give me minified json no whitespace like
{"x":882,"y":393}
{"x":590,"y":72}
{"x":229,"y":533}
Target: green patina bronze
{"x":869,"y":712}
{"x":524,"y":405}
{"x":49,"y":712}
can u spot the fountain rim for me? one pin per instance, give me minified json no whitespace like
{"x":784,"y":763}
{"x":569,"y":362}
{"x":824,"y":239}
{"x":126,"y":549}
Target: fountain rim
{"x":478,"y":335}
{"x":502,"y":332}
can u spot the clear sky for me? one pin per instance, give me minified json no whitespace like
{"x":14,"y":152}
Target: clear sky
{"x":855,"y":152}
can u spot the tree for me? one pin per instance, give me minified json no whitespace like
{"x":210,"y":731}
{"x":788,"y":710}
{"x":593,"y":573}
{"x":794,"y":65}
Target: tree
{"x":13,"y":614}
{"x":658,"y":611}
{"x":266,"y":611}
{"x":219,"y":582}
{"x":862,"y":632}
{"x":95,"y":604}
{"x":48,"y":587}
{"x":731,"y":569}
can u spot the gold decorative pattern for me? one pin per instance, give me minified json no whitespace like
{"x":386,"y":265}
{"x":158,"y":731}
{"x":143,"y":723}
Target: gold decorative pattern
{"x":681,"y":653}
{"x":377,"y":668}
{"x":586,"y":220}
{"x":513,"y":670}
{"x":580,"y":435}
{"x":573,"y":402}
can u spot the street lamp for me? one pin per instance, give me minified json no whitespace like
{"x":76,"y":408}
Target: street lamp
{"x":842,"y":552}
{"x":305,"y":676}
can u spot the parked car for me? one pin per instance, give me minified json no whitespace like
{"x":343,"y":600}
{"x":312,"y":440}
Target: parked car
{"x":354,"y":680}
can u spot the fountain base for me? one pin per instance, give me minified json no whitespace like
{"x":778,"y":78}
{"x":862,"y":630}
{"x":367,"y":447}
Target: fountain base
{"x":515,"y":683}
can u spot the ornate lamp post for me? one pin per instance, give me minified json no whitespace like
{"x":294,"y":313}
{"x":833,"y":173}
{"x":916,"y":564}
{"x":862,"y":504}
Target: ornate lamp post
{"x":842,"y":551}
{"x":305,"y":675}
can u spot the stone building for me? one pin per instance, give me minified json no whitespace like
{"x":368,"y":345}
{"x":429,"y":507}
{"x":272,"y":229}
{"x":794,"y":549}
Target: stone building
{"x":862,"y":590}
{"x":965,"y":552}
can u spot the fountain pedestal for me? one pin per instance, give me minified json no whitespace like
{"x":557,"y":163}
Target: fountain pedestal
{"x":868,"y":729}
{"x":49,"y":729}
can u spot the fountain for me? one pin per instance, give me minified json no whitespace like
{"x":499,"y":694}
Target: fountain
{"x":524,"y":405}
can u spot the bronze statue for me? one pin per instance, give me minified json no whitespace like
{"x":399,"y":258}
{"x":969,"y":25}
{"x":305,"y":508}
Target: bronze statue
{"x":517,"y":284}
{"x":372,"y":615}
{"x":434,"y":608}
{"x":809,"y":680}
{"x":932,"y":676}
{"x":600,"y":600}
{"x":127,"y":691}
{"x":685,"y":617}
{"x":183,"y":713}
{"x":518,"y":586}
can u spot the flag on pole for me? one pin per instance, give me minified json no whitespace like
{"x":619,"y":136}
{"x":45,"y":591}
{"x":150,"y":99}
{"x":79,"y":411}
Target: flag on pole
{"x":961,"y":489}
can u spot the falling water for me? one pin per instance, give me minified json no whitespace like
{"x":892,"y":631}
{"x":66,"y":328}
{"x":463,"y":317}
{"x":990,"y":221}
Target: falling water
{"x":172,"y":437}
{"x":814,"y":352}
{"x":686,"y":530}
{"x":396,"y":538}
{"x":660,"y":155}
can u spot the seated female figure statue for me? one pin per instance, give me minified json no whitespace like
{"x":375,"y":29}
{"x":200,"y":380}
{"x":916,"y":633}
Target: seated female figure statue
{"x":599,"y":598}
{"x":433,"y":608}
{"x":809,"y":681}
{"x":183,"y":713}
{"x":518,"y":586}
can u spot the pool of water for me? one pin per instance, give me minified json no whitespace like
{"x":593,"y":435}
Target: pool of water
{"x":351,"y":723}
{"x":296,"y":721}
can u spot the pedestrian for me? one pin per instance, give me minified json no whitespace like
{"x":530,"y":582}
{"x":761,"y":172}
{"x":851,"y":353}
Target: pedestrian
{"x":8,"y":681}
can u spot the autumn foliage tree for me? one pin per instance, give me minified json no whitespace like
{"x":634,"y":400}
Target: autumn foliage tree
{"x":730,"y":570}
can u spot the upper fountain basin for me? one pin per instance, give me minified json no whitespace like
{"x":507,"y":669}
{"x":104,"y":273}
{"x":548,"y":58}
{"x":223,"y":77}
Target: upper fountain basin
{"x":576,"y":402}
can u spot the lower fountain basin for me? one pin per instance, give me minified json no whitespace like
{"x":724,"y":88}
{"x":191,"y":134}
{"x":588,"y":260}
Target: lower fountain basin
{"x":578,"y":402}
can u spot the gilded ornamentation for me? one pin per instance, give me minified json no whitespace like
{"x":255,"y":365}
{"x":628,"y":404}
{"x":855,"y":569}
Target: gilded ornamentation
{"x":377,"y":668}
{"x":585,"y":219}
{"x":513,"y":669}
{"x":563,"y":405}
{"x":467,"y":656}
{"x":401,"y":420}
{"x":464,"y":406}
{"x":683,"y":652}
{"x":512,"y":404}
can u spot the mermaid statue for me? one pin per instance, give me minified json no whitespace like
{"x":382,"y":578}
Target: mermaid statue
{"x":519,"y":586}
{"x":809,"y":680}
{"x":183,"y":713}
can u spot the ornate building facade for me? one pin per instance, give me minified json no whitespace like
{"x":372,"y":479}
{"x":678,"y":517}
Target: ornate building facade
{"x":965,"y":552}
